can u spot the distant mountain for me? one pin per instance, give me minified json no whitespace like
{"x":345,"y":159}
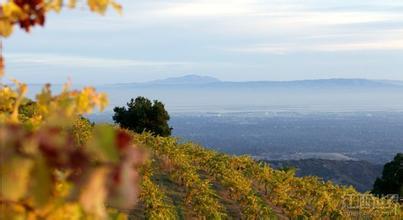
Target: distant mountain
{"x":203,"y":93}
{"x":211,"y":82}
{"x":360,"y":174}
{"x":201,"y":82}
{"x":187,"y":79}
{"x":315,"y":83}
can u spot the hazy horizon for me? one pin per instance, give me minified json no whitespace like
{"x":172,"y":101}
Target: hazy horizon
{"x":199,"y":75}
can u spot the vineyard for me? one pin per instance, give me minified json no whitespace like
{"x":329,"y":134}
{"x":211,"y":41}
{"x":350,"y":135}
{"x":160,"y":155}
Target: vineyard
{"x":212,"y":185}
{"x":55,"y":164}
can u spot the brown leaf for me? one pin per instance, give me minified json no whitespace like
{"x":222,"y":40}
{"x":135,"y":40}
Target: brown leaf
{"x":93,"y":194}
{"x":124,"y":192}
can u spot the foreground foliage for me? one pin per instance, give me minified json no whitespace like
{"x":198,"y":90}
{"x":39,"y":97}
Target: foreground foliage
{"x":28,"y":13}
{"x":54,"y":165}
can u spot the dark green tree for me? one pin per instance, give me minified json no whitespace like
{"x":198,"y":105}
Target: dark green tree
{"x":391,"y":181}
{"x":143,"y":115}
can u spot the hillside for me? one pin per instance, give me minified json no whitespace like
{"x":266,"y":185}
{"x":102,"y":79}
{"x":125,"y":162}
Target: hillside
{"x":188,"y":181}
{"x":360,"y":174}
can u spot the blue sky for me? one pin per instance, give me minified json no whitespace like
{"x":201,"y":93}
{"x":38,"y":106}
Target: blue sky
{"x":234,"y":40}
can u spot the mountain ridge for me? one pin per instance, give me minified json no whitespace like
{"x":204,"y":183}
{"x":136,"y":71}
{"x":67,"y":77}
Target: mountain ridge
{"x":186,"y":79}
{"x":193,"y":79}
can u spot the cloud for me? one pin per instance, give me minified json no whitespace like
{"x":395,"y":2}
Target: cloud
{"x":285,"y":12}
{"x":327,"y":41}
{"x":28,"y":59}
{"x":257,"y":13}
{"x":206,"y":8}
{"x":287,"y":48}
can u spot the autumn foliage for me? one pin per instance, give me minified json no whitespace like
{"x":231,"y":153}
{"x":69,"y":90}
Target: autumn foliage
{"x":29,"y":13}
{"x":45,"y":170}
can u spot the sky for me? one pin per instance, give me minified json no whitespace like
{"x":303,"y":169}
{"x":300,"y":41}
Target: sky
{"x":235,"y":40}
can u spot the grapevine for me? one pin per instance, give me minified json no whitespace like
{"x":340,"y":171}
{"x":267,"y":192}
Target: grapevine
{"x":154,"y":199}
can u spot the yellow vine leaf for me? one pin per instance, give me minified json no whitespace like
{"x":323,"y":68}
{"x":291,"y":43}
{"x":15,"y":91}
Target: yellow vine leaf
{"x":11,"y":14}
{"x":117,"y":6}
{"x":21,"y":91}
{"x":72,"y":3}
{"x":11,"y":10}
{"x":98,"y":6}
{"x":55,"y":5}
{"x":6,"y":28}
{"x":69,"y":211}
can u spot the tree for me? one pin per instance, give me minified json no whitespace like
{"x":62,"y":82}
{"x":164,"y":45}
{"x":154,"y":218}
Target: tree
{"x":391,"y":181}
{"x":143,"y":115}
